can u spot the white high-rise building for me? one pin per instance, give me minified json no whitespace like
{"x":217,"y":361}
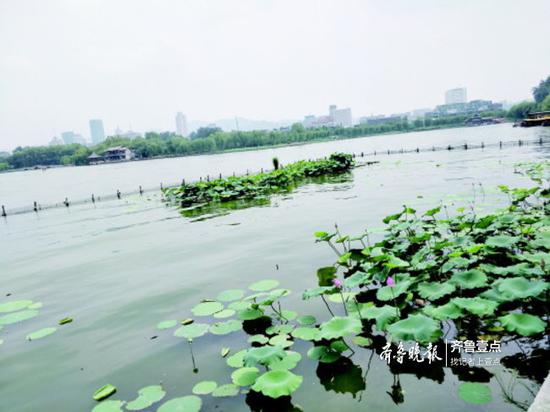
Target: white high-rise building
{"x":96,"y":131}
{"x":181,"y":125}
{"x":454,"y":96}
{"x":340,"y":117}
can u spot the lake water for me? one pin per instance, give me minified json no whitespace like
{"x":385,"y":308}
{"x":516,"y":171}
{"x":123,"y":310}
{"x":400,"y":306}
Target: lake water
{"x":120,"y":267}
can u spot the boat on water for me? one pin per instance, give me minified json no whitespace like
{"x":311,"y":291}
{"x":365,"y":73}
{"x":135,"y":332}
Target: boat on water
{"x":536,"y":119}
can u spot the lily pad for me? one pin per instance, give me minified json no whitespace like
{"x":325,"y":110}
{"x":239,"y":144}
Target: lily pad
{"x":341,"y":297}
{"x":290,"y":361}
{"x":240,"y":305}
{"x":17,"y":316}
{"x":434,"y":290}
{"x":520,"y":288}
{"x":304,"y":333}
{"x":281,"y":340}
{"x":15,"y":305}
{"x":104,"y":392}
{"x":522,"y":323}
{"x":35,"y":305}
{"x":276,"y":329}
{"x":339,"y":327}
{"x":277,"y":383}
{"x":323,"y":354}
{"x":39,"y":334}
{"x":443,"y":312}
{"x":230,"y":295}
{"x":387,"y":293}
{"x":207,"y":308}
{"x":223,"y":328}
{"x":237,"y":360}
{"x":469,"y":279}
{"x":258,"y":339}
{"x":306,"y":320}
{"x":418,"y":328}
{"x":191,"y":331}
{"x":264,"y":285}
{"x":362,"y":341}
{"x":167,"y":324}
{"x":108,"y":406}
{"x":477,"y":306}
{"x":250,"y":314}
{"x":501,"y":241}
{"x":289,"y":314}
{"x":263,"y":355}
{"x":204,"y":387}
{"x":383,"y":315}
{"x":226,"y":313}
{"x":146,"y":397}
{"x":474,"y":393}
{"x":226,"y":390}
{"x":245,"y":376}
{"x":190,"y":403}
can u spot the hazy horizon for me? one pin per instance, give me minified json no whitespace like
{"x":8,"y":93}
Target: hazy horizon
{"x":63,"y":62}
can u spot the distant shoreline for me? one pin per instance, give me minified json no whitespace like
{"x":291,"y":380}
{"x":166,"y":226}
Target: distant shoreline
{"x":253,"y":148}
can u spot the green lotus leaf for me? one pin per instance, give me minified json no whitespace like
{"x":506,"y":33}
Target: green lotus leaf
{"x":477,"y":306}
{"x":41,"y":333}
{"x":167,"y":324}
{"x":226,"y":313}
{"x":204,"y":387}
{"x":502,"y":241}
{"x":387,"y":293}
{"x":314,"y":292}
{"x":522,"y":323}
{"x":256,"y":296}
{"x":191,"y":331}
{"x":15,"y":305}
{"x":520,"y":288}
{"x":230,"y":295}
{"x":264,"y":285}
{"x":245,"y":376}
{"x":326,"y":275}
{"x":237,"y":360}
{"x":17,"y":317}
{"x":323,"y":354}
{"x":306,"y":320}
{"x":207,"y":308}
{"x":341,"y":297}
{"x":290,"y":361}
{"x":474,"y":393}
{"x":520,"y":269}
{"x":263,"y":355}
{"x":258,"y":339}
{"x":104,"y":392}
{"x":469,"y":279}
{"x":277,"y":383}
{"x":443,"y":312}
{"x":542,"y":240}
{"x":223,"y":328}
{"x":357,"y":279}
{"x":146,"y":397}
{"x":495,"y":295}
{"x":418,"y":328}
{"x":435,"y":290}
{"x":35,"y":305}
{"x":237,"y":306}
{"x":362,"y":341}
{"x":305,"y":333}
{"x":190,"y":403}
{"x":395,"y":262}
{"x":289,"y":314}
{"x":339,"y":327}
{"x":108,"y":406}
{"x":1,"y":341}
{"x":383,"y":315}
{"x":277,"y":329}
{"x":536,"y":257}
{"x":456,"y":262}
{"x":250,"y":314}
{"x":281,"y":340}
{"x":223,"y":391}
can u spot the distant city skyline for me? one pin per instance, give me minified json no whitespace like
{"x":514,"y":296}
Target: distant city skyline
{"x":261,"y":60}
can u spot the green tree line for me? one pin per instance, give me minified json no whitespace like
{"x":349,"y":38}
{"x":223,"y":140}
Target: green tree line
{"x":540,"y":102}
{"x":168,"y":144}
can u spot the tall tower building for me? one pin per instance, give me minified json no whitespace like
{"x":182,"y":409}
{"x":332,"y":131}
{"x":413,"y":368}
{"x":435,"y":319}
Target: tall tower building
{"x":181,"y":124}
{"x":454,"y":96}
{"x":96,"y":131}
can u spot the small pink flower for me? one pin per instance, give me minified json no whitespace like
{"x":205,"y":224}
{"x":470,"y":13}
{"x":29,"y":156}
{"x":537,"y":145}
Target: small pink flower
{"x":337,"y":283}
{"x":390,"y":281}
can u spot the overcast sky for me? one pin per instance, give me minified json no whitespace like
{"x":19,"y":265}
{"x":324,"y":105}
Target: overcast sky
{"x":138,"y":62}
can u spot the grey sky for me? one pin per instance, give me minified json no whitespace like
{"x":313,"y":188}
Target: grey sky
{"x":63,"y":62}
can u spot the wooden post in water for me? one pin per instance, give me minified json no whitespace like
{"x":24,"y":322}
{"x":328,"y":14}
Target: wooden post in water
{"x":362,"y":154}
{"x":417,"y":150}
{"x":4,"y":211}
{"x":519,"y":142}
{"x":465,"y":146}
{"x":35,"y":206}
{"x":220,"y":176}
{"x":66,"y":202}
{"x":161,"y":186}
{"x":207,"y":178}
{"x":140,"y":190}
{"x":482,"y":145}
{"x":93,"y":198}
{"x":118,"y":194}
{"x":183,"y":182}
{"x":540,"y":140}
{"x":500,"y":144}
{"x":388,"y":151}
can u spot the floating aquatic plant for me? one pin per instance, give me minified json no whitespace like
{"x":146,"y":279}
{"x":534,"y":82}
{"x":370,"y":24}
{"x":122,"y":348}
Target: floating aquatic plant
{"x":277,"y":383}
